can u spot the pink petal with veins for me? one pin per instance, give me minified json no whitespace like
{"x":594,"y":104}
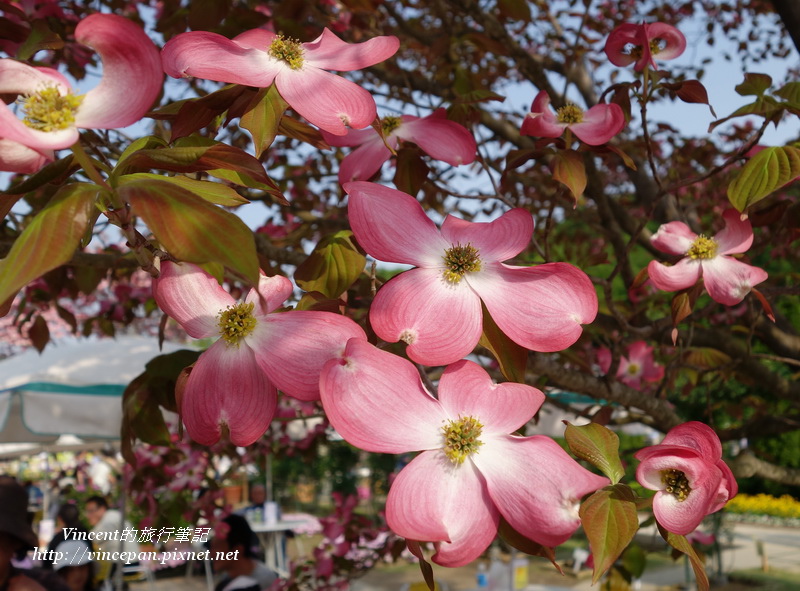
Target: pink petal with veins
{"x":192,"y":297}
{"x":391,"y":226}
{"x":132,"y":73}
{"x":599,"y":125}
{"x":496,"y":241}
{"x":214,"y":57}
{"x":292,"y":347}
{"x":328,"y":101}
{"x":543,"y":504}
{"x":681,"y":275}
{"x":376,"y":401}
{"x":440,"y":321}
{"x":541,"y":308}
{"x":226,"y":387}
{"x":432,"y":500}
{"x":328,"y":52}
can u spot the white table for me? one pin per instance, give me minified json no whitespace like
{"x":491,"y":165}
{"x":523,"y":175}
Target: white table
{"x":272,"y":536}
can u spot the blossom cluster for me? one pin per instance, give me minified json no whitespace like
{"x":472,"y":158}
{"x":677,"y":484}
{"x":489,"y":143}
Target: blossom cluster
{"x":475,"y":470}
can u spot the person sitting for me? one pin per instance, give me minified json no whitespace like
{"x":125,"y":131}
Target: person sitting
{"x":68,"y":516}
{"x":108,"y":521}
{"x":233,"y":556}
{"x":16,"y":538}
{"x":75,"y":566}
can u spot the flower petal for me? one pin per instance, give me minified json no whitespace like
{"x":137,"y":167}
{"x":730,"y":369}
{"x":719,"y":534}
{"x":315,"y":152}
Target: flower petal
{"x":331,"y":53}
{"x":674,"y":41}
{"x":292,"y":347}
{"x":214,"y":57}
{"x":600,"y":124}
{"x":271,"y":293}
{"x":192,"y":297}
{"x":541,"y":308}
{"x":697,"y":436}
{"x":541,"y":121}
{"x":673,"y":238}
{"x":363,"y":162}
{"x":226,"y":387}
{"x":440,"y":138}
{"x":353,"y":137}
{"x":496,"y":241}
{"x":465,"y":389}
{"x":15,"y":157}
{"x":736,"y":236}
{"x":328,"y":101}
{"x":536,"y":485}
{"x":440,"y":321}
{"x":132,"y":73}
{"x":728,"y":281}
{"x":681,"y":275}
{"x":391,"y":226}
{"x":680,"y":517}
{"x":259,"y":39}
{"x":376,"y":401}
{"x":619,"y":40}
{"x":433,"y":500}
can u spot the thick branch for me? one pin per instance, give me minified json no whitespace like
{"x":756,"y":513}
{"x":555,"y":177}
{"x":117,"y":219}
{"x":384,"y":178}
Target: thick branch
{"x":664,"y":418}
{"x":746,"y":465}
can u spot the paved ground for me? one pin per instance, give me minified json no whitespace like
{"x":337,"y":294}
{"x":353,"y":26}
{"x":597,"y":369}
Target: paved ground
{"x":781,"y":546}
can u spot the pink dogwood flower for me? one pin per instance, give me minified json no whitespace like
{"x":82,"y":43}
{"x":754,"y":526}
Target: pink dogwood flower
{"x":471,"y":470}
{"x":642,"y":44}
{"x":52,"y":114}
{"x":259,"y":57}
{"x":639,"y":366}
{"x":438,"y":137}
{"x":436,"y":308}
{"x":689,"y":474}
{"x":594,"y":127}
{"x":726,"y":279}
{"x":234,"y":381}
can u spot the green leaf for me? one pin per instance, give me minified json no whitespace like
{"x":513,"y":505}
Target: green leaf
{"x":634,"y":559}
{"x":765,"y":106}
{"x":50,"y":239}
{"x":789,"y":92}
{"x":597,"y":445}
{"x":763,"y":174}
{"x":55,"y":172}
{"x":569,"y":170}
{"x":212,"y":192}
{"x":512,"y":358}
{"x":754,"y":84}
{"x":411,"y":171}
{"x":40,"y":37}
{"x":681,"y":544}
{"x":219,"y":160}
{"x":332,"y":267}
{"x":610,"y":521}
{"x":148,"y":142}
{"x":192,"y":229}
{"x":263,"y":117}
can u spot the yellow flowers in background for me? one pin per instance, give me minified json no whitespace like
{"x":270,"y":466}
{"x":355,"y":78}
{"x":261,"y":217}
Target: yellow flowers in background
{"x":761,"y":504}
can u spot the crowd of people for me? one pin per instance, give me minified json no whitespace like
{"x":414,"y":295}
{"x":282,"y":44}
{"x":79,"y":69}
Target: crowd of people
{"x":70,"y":562}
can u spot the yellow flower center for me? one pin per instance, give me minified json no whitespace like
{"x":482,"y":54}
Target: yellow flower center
{"x":633,"y":369}
{"x":287,"y":50}
{"x":389,"y":124}
{"x":702,"y":248}
{"x":460,"y":260}
{"x":49,"y":110}
{"x":236,"y":322}
{"x":676,"y":484}
{"x":569,"y":114}
{"x":657,"y":45}
{"x":461,"y":438}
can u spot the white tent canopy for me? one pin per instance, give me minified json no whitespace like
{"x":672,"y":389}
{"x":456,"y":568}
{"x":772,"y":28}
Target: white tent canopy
{"x":71,"y":388}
